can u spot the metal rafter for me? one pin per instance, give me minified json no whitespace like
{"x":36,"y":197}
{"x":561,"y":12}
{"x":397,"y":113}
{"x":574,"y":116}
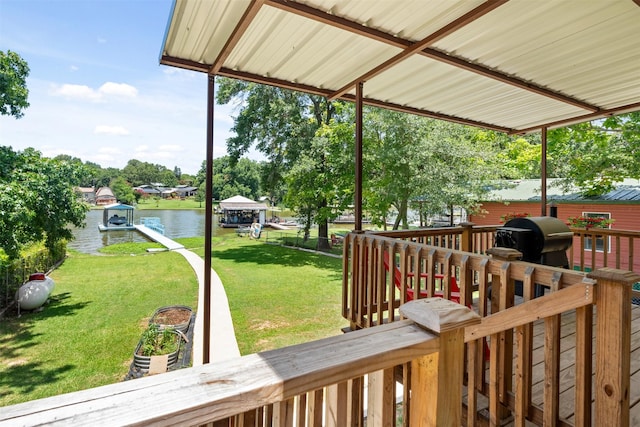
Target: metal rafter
{"x":347,"y":97}
{"x":629,"y":108}
{"x":197,"y":66}
{"x":414,"y":48}
{"x":237,"y":34}
{"x":374,"y":34}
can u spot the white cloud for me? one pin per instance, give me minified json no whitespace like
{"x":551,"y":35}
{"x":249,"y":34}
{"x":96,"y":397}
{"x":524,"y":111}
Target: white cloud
{"x":110,"y":130}
{"x":74,"y":68}
{"x":118,"y":89}
{"x":83,"y":92}
{"x":170,"y":148}
{"x":142,"y":148}
{"x":109,"y":150}
{"x":75,"y":92}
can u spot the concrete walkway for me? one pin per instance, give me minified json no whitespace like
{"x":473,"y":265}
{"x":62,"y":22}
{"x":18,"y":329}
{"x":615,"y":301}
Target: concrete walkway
{"x":223,"y":344}
{"x":222,"y":341}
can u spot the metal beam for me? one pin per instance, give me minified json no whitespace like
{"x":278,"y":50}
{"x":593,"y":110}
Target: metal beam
{"x":629,"y":108}
{"x":414,"y":48}
{"x":543,"y":174}
{"x":208,"y":223}
{"x":389,"y":39}
{"x":248,"y":16}
{"x":347,"y":97}
{"x":358,"y":163}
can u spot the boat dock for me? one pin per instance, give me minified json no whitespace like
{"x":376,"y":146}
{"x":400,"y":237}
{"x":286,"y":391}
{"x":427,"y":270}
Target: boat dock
{"x":281,"y":226}
{"x":157,"y":237}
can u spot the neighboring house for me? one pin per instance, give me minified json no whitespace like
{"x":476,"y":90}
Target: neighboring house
{"x":621,"y":205}
{"x":104,"y":196}
{"x":159,"y":190}
{"x":88,"y":194}
{"x":239,"y":211}
{"x":147,"y":190}
{"x":183,"y":191}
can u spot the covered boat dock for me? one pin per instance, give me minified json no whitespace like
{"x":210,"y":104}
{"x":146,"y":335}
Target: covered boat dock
{"x":117,"y":216}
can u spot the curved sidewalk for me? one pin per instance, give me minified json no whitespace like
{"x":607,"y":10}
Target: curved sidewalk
{"x":223,"y":344}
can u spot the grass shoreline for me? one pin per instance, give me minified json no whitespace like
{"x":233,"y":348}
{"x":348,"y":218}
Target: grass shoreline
{"x":86,"y":336}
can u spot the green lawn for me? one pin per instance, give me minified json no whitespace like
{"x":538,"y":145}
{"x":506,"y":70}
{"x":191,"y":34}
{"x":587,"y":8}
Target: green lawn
{"x":279,"y":296}
{"x":86,"y":335}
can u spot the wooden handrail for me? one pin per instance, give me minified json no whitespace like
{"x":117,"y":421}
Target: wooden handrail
{"x":213,"y":392}
{"x":388,"y":271}
{"x":563,"y":300}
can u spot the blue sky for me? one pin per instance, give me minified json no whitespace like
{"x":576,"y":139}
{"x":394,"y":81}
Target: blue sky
{"x":97,"y":90}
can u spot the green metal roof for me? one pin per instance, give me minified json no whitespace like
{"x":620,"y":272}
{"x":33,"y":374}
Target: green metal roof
{"x":627,"y":191}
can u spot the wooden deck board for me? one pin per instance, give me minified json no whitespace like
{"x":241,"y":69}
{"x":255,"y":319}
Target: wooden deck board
{"x":567,"y":368}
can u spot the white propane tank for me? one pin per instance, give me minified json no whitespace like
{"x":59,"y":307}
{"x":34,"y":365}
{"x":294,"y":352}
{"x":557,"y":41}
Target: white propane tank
{"x":35,"y":292}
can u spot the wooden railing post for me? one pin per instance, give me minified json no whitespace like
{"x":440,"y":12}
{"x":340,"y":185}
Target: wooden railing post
{"x":501,"y":361}
{"x":466,"y":239}
{"x":436,"y":379}
{"x":613,"y":345}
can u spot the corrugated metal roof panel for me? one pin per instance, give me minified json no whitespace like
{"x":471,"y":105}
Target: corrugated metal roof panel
{"x":300,"y":50}
{"x":426,"y":84}
{"x":512,"y":66}
{"x":570,"y":46}
{"x":529,"y":190}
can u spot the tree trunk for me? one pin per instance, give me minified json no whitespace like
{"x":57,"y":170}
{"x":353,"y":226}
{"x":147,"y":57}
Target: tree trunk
{"x":323,"y":230}
{"x":323,"y":233}
{"x":402,"y":216}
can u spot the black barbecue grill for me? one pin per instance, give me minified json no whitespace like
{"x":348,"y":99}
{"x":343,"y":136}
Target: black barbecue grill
{"x":541,"y":240}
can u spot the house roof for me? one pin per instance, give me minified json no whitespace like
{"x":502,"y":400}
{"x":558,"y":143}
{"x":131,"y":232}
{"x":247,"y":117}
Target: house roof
{"x":104,"y":192}
{"x":627,"y":191}
{"x":513,"y":66}
{"x":241,"y":203}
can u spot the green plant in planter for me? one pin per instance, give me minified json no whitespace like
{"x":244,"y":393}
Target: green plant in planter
{"x":156,"y":341}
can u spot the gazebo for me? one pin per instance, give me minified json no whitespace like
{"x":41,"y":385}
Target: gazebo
{"x":239,"y":211}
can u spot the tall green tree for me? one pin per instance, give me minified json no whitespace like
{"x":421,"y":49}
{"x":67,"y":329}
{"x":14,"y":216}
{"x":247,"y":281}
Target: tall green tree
{"x":394,"y":171}
{"x":429,"y":165}
{"x":281,"y":125}
{"x":594,"y":156}
{"x":139,"y":173}
{"x":122,"y":190}
{"x":462,"y":164}
{"x":38,"y":200}
{"x":521,"y":159}
{"x":13,"y":84}
{"x":321,"y":181}
{"x":231,"y":178}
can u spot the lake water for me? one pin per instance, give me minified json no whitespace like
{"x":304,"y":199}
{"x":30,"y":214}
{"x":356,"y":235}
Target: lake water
{"x":177,"y":223}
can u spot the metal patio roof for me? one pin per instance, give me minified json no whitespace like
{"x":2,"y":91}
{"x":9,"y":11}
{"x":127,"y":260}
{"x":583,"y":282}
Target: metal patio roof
{"x":508,"y":65}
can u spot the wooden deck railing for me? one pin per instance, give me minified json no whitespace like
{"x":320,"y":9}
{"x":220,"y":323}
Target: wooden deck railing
{"x":382,"y":272}
{"x":319,"y":383}
{"x":452,"y":367}
{"x":597,"y":248}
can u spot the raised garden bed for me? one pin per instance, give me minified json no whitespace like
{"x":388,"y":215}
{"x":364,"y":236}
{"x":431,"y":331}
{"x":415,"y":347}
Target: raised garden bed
{"x":170,"y":317}
{"x":174,"y":316}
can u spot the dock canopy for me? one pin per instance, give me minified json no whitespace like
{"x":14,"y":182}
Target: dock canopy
{"x":240,"y":211}
{"x":515,"y":66}
{"x":117,"y":216}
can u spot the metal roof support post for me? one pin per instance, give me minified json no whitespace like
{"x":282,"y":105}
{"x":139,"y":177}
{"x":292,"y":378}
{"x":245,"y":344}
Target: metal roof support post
{"x":358,"y":163}
{"x":208,"y":222}
{"x":543,"y":173}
